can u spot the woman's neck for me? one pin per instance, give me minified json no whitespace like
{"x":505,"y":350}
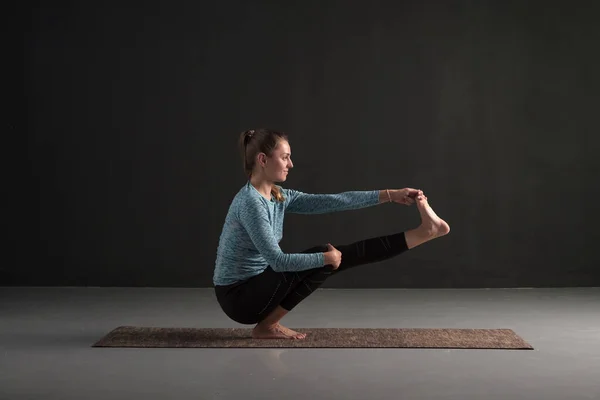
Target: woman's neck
{"x":262,"y":186}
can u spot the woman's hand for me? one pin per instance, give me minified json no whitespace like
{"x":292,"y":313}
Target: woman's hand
{"x":405,"y":196}
{"x":333,"y":256}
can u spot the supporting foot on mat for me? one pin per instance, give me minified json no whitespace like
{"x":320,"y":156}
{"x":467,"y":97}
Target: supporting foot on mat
{"x":275,"y":331}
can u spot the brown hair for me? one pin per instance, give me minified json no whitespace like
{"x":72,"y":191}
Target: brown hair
{"x":255,"y":141}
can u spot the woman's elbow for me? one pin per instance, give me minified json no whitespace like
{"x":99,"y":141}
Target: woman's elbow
{"x":279,"y":263}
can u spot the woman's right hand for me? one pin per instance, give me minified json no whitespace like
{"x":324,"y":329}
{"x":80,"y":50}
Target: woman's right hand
{"x":333,"y":256}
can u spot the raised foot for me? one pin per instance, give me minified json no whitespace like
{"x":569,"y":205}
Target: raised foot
{"x":432,"y":225}
{"x":276,"y":331}
{"x":439,"y":228}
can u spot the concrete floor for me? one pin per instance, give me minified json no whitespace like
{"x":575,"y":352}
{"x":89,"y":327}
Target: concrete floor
{"x":46,"y":334}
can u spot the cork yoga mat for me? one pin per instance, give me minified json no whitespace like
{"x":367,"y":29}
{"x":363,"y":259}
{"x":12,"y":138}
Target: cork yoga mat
{"x":156,"y":337}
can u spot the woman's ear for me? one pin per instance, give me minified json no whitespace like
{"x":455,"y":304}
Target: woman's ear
{"x":262,"y":159}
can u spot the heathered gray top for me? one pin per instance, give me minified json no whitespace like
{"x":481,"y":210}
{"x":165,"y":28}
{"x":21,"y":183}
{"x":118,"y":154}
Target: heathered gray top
{"x":253,"y":229}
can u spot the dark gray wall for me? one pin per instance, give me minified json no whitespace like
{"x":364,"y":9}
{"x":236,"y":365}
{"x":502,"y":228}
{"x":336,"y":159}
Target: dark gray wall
{"x":134,"y":114}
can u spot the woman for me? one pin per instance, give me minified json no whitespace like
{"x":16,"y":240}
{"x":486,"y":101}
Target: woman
{"x":255,"y":281}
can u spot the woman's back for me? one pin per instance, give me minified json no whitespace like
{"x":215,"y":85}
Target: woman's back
{"x":237,"y":256}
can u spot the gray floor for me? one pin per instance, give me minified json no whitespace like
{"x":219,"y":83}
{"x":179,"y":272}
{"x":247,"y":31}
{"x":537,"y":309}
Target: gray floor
{"x":46,"y":334}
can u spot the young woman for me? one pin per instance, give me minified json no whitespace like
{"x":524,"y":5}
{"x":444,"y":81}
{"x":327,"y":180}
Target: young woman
{"x":255,"y":281}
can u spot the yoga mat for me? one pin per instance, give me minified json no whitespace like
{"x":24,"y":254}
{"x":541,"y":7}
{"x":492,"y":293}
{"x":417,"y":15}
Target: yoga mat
{"x":148,"y":337}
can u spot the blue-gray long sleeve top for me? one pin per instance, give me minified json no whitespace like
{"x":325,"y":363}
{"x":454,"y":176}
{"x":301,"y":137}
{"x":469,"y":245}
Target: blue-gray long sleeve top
{"x":253,"y":228}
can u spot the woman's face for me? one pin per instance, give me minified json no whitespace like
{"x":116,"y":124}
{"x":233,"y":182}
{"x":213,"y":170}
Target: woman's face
{"x":280,"y":162}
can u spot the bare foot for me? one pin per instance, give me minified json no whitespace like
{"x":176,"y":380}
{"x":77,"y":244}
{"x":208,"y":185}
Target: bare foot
{"x":433,"y":225}
{"x":276,"y":331}
{"x":288,"y":331}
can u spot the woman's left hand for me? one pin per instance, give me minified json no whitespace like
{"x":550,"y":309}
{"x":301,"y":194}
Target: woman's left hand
{"x":405,"y":196}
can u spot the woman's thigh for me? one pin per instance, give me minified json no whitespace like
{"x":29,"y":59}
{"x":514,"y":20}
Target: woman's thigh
{"x":263,"y":292}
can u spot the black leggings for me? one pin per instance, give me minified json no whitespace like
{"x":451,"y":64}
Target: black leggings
{"x":251,"y":300}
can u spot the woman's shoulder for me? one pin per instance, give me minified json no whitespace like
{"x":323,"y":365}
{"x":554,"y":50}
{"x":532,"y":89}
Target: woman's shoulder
{"x":286,"y":192}
{"x":245,"y":203}
{"x":247,"y":196}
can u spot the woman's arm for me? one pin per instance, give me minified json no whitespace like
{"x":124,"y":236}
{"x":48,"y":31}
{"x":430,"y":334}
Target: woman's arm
{"x":304,"y":203}
{"x":255,"y":220}
{"x":404,"y":196}
{"x":385,"y":196}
